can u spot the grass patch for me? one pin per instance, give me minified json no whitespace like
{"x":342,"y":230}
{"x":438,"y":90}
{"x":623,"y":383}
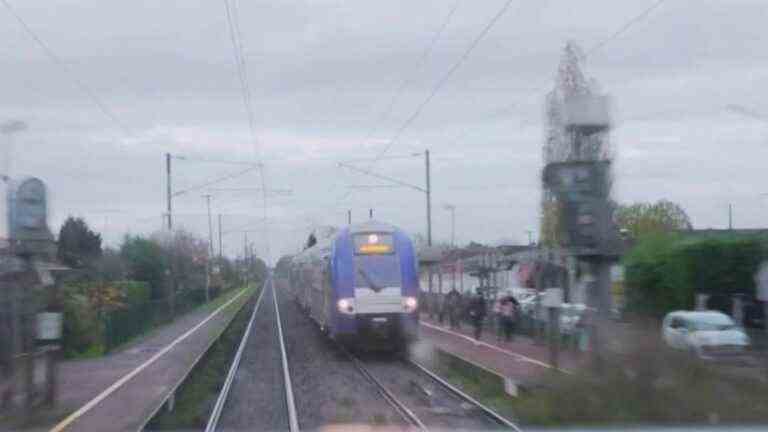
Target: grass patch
{"x":378,"y":420}
{"x":648,"y":385}
{"x":660,"y":387}
{"x":197,"y":395}
{"x":486,"y":387}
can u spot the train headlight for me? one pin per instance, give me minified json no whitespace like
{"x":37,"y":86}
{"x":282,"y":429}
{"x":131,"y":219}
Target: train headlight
{"x":346,"y":306}
{"x":410,"y":304}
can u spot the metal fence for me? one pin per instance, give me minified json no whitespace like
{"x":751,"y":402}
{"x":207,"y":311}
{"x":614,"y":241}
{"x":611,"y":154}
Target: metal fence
{"x":122,"y":325}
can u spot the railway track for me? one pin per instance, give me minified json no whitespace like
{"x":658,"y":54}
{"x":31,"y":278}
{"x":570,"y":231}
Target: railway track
{"x":425,"y":400}
{"x":225,"y":395}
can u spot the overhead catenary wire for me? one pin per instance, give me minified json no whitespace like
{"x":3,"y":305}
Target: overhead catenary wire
{"x":626,"y":26}
{"x":409,"y":77}
{"x":240,"y":65}
{"x":79,"y":83}
{"x":436,"y":89}
{"x":216,"y":180}
{"x":438,"y":85}
{"x":442,"y":81}
{"x":209,"y":160}
{"x":599,"y":45}
{"x":233,"y":22}
{"x":407,"y":80}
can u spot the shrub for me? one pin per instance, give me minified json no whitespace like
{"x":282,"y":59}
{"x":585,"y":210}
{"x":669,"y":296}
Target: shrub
{"x":135,"y":292}
{"x":664,"y":272}
{"x":83,"y":330}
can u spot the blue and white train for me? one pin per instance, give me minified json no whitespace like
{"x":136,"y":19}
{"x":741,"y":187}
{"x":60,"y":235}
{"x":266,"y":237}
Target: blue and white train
{"x":360,"y":284}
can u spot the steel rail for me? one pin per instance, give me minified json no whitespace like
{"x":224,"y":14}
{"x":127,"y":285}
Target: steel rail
{"x":467,"y":398}
{"x":293,"y":420}
{"x":213,"y":420}
{"x":399,"y":406}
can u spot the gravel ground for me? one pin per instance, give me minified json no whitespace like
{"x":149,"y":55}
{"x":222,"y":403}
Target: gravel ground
{"x":328,"y":389}
{"x":434,"y":405}
{"x":257,"y":397}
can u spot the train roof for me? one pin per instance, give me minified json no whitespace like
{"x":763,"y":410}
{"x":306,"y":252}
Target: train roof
{"x":325,"y":242}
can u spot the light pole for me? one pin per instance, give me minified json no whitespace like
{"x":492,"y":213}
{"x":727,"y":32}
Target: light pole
{"x":210,"y":250}
{"x":8,"y":128}
{"x":452,"y":209}
{"x":168,"y":191}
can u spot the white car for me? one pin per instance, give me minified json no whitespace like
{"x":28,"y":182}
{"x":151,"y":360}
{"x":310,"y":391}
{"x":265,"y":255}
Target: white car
{"x":707,"y":334}
{"x":570,"y":315}
{"x":528,"y":304}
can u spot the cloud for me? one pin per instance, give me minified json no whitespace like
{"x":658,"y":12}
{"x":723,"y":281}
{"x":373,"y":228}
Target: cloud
{"x":321,"y":74}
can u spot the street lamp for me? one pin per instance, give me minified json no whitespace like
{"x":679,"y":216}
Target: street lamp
{"x":452,"y":208}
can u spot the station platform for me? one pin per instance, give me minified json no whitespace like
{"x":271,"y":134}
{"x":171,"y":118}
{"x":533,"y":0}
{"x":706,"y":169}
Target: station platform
{"x":123,"y":390}
{"x":521,"y":360}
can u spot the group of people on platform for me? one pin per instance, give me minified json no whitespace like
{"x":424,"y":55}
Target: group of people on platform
{"x":505,"y":313}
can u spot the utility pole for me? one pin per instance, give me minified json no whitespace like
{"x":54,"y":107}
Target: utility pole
{"x":221,"y":247}
{"x":430,"y":268}
{"x":168,"y":192}
{"x":210,"y":250}
{"x":730,"y":216}
{"x":370,"y":213}
{"x":169,"y":219}
{"x":429,"y":199}
{"x":349,"y":217}
{"x":245,"y":256}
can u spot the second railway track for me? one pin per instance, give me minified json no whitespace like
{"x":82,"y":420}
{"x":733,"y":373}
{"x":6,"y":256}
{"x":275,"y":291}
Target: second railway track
{"x":425,"y":400}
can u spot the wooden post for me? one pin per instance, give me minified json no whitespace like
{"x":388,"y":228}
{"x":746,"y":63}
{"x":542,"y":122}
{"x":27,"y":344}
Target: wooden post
{"x":51,"y":377}
{"x":554,"y":337}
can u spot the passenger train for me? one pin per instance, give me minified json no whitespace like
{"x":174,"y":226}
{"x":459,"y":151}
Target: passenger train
{"x":360,"y":284}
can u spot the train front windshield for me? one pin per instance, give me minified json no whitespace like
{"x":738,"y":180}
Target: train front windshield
{"x":377,"y":266}
{"x":377,"y":271}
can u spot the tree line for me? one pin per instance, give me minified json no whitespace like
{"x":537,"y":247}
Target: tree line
{"x":162,"y":275}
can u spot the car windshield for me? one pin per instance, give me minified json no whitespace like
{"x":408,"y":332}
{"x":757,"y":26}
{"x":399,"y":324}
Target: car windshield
{"x":711,"y":324}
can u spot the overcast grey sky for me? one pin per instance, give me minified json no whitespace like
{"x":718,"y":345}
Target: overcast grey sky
{"x":321,"y":74}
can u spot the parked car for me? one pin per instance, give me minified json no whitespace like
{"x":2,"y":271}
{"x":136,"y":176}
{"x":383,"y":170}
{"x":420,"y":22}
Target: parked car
{"x":707,"y":334}
{"x":528,"y":304}
{"x":570,"y":315}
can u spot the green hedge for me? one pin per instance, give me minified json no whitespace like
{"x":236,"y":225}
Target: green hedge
{"x":89,"y":330}
{"x":135,"y":292}
{"x":664,"y":272}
